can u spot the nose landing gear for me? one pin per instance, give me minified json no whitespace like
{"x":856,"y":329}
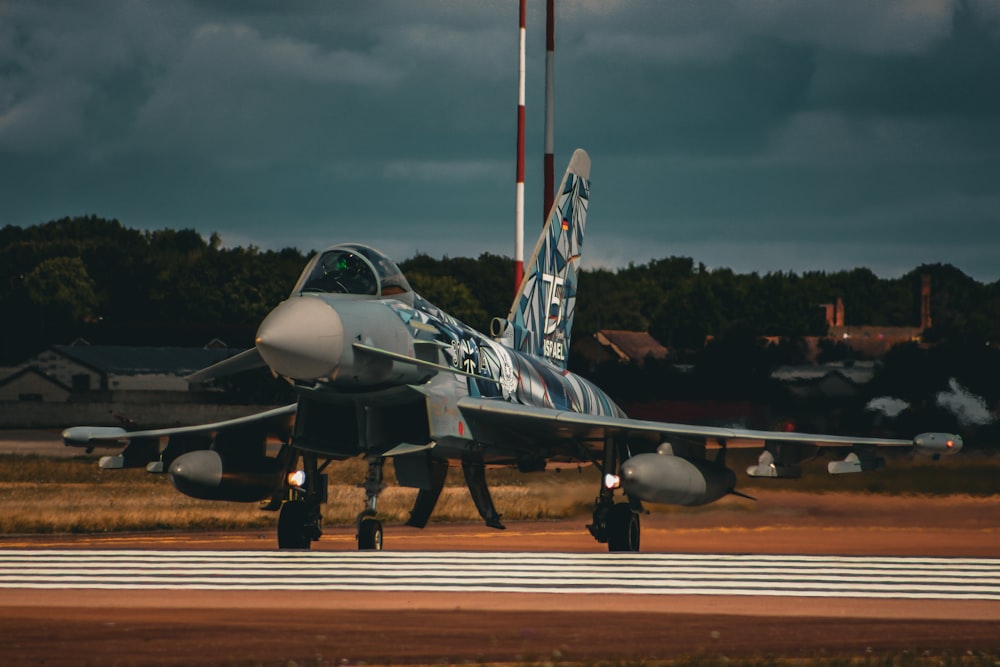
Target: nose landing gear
{"x":369,"y":527}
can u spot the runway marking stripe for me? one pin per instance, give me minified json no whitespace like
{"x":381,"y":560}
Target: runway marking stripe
{"x":375,"y":562}
{"x":602,"y":578}
{"x":499,"y":557}
{"x":501,"y":585}
{"x":649,"y":574}
{"x":825,"y":593}
{"x":171,"y":569}
{"x":603,"y":574}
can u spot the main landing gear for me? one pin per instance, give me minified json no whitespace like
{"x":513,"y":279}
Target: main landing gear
{"x":298,"y":524}
{"x":615,"y":524}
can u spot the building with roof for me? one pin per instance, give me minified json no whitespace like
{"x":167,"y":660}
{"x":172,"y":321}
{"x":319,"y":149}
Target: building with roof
{"x":88,"y":369}
{"x":627,"y":347}
{"x":868,"y":341}
{"x":31,"y":384}
{"x":85,"y":383}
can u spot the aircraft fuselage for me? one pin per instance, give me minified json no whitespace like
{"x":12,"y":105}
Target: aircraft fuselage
{"x":369,"y":358}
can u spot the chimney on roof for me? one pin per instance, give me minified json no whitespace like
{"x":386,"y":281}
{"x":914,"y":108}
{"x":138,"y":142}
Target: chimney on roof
{"x":838,"y":315}
{"x":828,"y":313}
{"x":925,"y":301}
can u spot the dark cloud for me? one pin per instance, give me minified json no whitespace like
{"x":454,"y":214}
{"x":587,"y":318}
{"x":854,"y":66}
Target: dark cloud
{"x":761,"y":136}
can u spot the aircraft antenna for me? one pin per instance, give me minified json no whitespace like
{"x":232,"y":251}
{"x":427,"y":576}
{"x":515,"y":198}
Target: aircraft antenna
{"x":519,"y":192}
{"x":548,"y":166}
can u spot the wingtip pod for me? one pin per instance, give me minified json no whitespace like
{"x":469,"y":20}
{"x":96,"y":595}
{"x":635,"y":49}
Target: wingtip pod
{"x":937,"y":444}
{"x":85,"y":436}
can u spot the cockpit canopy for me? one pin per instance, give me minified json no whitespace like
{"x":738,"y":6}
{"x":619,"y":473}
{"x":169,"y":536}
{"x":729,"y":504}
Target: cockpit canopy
{"x":352,"y":268}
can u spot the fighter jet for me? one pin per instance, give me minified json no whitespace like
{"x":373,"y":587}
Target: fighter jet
{"x":380,"y":372}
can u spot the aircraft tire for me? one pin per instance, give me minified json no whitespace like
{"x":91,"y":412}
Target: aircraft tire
{"x":623,"y":528}
{"x":370,"y":534}
{"x":293,"y":529}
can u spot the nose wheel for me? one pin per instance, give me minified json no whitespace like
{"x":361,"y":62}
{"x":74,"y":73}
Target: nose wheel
{"x":369,"y":527}
{"x":369,"y":534}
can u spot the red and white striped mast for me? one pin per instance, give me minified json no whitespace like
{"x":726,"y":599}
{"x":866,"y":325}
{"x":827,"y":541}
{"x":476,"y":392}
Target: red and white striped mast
{"x":548,"y":166}
{"x":519,"y":192}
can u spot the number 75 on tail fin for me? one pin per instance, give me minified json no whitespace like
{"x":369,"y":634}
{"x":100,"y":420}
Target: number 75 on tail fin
{"x":540,"y":321}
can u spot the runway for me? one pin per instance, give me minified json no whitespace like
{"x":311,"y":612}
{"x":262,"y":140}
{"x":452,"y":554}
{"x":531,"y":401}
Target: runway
{"x":830,"y":576}
{"x":803,"y":576}
{"x":231,"y":598}
{"x":465,"y":572}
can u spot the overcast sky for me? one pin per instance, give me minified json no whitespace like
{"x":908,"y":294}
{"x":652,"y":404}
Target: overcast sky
{"x":760,"y":135}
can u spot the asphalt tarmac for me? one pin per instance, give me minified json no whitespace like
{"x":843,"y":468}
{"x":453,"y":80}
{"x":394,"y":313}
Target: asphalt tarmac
{"x":162,"y":627}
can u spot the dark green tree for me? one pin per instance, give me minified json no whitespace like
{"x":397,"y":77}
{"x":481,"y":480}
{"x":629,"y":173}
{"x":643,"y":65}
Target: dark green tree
{"x":63,"y":288}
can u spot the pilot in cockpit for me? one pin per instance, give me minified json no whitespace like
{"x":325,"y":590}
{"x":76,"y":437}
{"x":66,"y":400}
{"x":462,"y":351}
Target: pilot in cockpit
{"x":356,"y":269}
{"x":342,"y":272}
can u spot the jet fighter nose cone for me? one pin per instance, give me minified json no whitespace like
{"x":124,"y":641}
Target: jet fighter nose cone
{"x":303,"y":338}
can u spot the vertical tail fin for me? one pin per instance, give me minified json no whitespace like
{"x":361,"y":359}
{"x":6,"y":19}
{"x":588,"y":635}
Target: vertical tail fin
{"x":541,"y":319}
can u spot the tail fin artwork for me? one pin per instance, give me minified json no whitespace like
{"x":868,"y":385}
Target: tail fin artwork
{"x":541,"y":318}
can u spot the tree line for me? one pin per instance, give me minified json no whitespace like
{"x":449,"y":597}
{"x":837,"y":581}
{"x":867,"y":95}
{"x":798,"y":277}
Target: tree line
{"x":93,"y":276}
{"x":97,"y":279}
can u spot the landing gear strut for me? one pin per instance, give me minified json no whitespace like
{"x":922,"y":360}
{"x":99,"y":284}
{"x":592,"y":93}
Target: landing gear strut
{"x":369,"y":527}
{"x":475,"y":479}
{"x":615,"y":524}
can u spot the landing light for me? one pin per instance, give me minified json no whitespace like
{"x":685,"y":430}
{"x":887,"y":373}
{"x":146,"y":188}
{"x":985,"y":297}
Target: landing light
{"x":297,"y":479}
{"x":612,"y":481}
